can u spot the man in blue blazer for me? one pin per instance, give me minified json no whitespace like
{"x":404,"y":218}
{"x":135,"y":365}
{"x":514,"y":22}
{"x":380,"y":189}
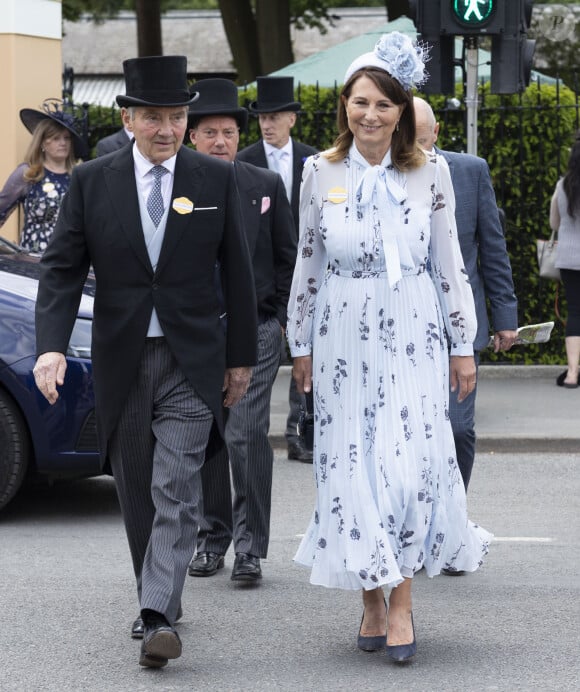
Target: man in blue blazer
{"x":277,"y":150}
{"x":215,"y":120}
{"x":487,"y":263}
{"x":153,"y":219}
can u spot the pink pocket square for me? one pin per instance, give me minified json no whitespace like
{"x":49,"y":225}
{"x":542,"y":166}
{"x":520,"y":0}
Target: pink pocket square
{"x":265,"y":205}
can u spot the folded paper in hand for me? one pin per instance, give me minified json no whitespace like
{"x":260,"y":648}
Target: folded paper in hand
{"x":531,"y":334}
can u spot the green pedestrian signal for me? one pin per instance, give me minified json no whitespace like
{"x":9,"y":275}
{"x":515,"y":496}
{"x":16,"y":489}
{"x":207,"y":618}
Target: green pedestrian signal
{"x":505,"y":22}
{"x":473,"y":13}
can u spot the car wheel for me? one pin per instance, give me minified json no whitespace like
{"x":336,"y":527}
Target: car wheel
{"x":14,"y":448}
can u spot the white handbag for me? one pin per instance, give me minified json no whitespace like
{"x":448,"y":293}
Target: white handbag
{"x":546,"y":250}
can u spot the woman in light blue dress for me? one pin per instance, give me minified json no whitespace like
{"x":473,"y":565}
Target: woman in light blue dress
{"x":381,"y":314}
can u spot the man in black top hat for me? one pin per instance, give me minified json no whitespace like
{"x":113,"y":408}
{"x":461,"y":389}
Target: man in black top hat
{"x":215,"y":120}
{"x":153,"y":219}
{"x":277,"y":111}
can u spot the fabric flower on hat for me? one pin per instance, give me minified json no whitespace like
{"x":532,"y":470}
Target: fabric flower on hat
{"x":405,"y":60}
{"x":398,"y":55}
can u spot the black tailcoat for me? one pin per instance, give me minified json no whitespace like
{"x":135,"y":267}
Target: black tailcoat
{"x":99,"y":224}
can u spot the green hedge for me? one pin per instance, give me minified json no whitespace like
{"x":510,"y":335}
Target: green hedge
{"x":525,"y":140}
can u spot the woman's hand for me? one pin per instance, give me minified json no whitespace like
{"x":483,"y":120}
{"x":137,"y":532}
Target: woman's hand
{"x":462,"y":375}
{"x":302,"y":373}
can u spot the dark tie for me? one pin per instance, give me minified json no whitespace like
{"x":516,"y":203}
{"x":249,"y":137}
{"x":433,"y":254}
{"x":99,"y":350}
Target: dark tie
{"x":155,"y":200}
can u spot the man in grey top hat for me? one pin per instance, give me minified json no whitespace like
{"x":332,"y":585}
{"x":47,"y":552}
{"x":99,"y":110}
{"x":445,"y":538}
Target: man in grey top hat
{"x":153,"y":219}
{"x":277,"y":111}
{"x":215,"y":120}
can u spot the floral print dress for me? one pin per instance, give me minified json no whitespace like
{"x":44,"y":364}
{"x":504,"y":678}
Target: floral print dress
{"x":41,"y":201}
{"x":379,"y":290}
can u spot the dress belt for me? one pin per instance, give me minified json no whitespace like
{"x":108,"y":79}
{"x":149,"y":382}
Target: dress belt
{"x":374,"y":274}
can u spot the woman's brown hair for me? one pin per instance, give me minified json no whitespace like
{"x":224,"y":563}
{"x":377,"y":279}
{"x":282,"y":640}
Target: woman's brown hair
{"x":405,"y":154}
{"x":34,"y":157}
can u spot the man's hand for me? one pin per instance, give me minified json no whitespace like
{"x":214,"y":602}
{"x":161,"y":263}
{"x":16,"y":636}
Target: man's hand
{"x":236,"y":381}
{"x":49,"y":372}
{"x":504,"y":340}
{"x":463,"y":375}
{"x":302,"y":373}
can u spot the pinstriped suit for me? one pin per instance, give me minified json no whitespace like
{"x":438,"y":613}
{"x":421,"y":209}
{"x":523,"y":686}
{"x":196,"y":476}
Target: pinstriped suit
{"x":270,"y":233}
{"x":487,"y":263}
{"x":256,"y":154}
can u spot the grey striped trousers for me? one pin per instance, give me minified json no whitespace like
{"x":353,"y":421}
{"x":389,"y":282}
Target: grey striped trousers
{"x":251,"y":460}
{"x":156,"y":452}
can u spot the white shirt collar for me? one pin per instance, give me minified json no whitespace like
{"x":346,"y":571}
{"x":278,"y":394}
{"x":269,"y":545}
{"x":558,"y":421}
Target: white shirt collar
{"x":143,"y":165}
{"x":287,"y":148}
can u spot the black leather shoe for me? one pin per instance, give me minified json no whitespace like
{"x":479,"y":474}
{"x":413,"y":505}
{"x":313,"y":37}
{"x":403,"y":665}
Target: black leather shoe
{"x":246,"y":568}
{"x":299,"y":452}
{"x":138,"y":628}
{"x":560,"y":381}
{"x":453,"y":572}
{"x":205,"y":564}
{"x":160,"y":643}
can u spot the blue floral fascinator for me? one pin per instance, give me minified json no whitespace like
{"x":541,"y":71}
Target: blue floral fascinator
{"x":400,"y":56}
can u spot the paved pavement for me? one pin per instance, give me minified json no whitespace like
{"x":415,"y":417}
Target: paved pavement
{"x":518,"y":408}
{"x":68,"y":597}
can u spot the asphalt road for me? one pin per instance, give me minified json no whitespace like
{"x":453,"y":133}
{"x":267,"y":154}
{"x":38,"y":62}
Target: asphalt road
{"x":67,"y":599}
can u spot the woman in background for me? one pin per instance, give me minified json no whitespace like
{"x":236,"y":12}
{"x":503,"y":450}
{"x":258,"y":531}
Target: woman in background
{"x":40,"y":183}
{"x":565,"y":218}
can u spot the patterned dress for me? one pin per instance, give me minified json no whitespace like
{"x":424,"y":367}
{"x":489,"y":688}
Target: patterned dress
{"x":379,"y":289}
{"x":41,"y":201}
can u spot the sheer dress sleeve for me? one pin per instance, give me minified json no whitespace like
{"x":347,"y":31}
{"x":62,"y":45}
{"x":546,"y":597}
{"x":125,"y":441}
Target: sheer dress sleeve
{"x":311,"y":264}
{"x":13,"y":192}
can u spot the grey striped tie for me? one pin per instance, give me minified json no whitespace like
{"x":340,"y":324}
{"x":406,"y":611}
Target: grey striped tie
{"x":155,"y":200}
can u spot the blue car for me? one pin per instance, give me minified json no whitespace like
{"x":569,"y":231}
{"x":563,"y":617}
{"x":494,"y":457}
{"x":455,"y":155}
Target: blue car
{"x":37,"y":439}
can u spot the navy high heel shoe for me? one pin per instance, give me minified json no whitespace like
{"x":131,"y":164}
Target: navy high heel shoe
{"x":403,"y":652}
{"x":375,"y":643}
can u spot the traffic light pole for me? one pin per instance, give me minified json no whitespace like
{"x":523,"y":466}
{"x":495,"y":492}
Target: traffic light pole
{"x":471,"y":97}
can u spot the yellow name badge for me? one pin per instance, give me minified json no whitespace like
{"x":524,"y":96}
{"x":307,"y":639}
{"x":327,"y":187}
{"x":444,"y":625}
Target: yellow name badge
{"x":337,"y":195}
{"x":182,"y":205}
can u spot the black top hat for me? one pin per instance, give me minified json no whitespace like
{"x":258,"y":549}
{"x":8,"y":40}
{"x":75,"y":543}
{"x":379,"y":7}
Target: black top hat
{"x":275,"y":94}
{"x":62,"y":114}
{"x":157,"y":80}
{"x":217,"y":97}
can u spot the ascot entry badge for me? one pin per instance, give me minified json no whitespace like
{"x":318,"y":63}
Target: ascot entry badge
{"x":182,"y":205}
{"x":337,"y":195}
